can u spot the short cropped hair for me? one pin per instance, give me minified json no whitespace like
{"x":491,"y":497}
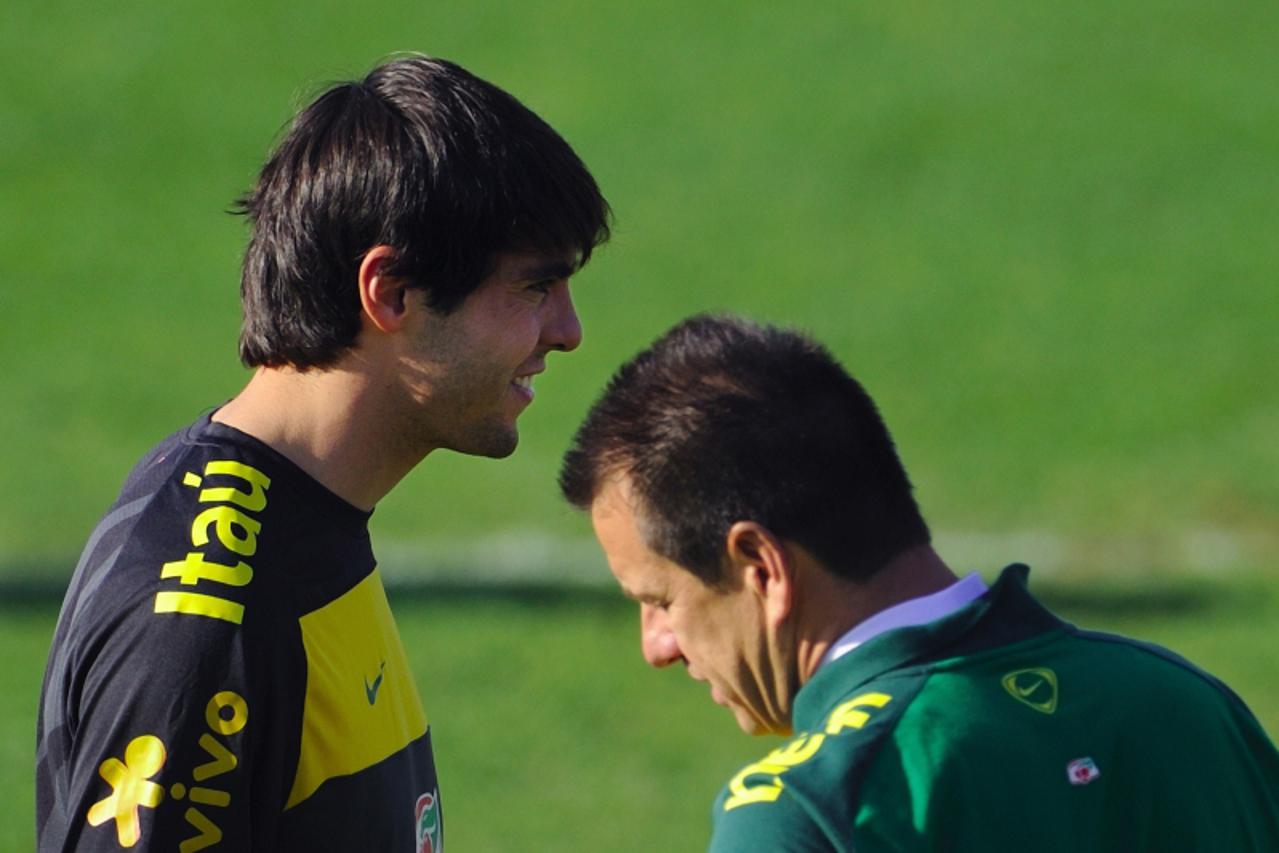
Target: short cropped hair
{"x":723,"y":420}
{"x":446,"y":169}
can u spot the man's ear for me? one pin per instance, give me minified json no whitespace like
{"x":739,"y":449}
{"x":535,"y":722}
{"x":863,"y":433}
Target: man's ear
{"x":760,"y":560}
{"x":382,"y":296}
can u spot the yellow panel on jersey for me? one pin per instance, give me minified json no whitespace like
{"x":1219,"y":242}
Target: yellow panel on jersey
{"x":361,"y":703}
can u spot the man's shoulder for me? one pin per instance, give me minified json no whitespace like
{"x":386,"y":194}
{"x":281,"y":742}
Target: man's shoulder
{"x":214,"y":524}
{"x":181,"y":565}
{"x":1147,"y":667}
{"x":1064,"y":671}
{"x":208,"y":463}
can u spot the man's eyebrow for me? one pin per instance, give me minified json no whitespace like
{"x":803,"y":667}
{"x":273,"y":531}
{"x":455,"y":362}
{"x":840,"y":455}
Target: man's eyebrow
{"x":543,"y":270}
{"x":638,"y":597}
{"x":643,"y":597}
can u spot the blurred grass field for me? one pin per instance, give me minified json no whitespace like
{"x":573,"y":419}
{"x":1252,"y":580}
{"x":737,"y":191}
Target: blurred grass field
{"x":1042,"y":237}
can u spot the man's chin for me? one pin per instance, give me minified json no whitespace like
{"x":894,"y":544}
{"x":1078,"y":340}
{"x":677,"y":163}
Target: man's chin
{"x":493,"y":443}
{"x":751,"y":724}
{"x":500,"y":451}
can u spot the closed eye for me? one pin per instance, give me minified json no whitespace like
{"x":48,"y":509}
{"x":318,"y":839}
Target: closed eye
{"x":646,"y":599}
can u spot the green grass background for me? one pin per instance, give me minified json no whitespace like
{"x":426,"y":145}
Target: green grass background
{"x":1043,"y":237}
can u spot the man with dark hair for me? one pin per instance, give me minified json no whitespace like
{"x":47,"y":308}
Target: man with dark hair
{"x":226,"y":672}
{"x":749,"y":497}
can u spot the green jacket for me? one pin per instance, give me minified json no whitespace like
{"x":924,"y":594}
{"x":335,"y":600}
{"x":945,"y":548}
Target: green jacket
{"x":1001,"y":727}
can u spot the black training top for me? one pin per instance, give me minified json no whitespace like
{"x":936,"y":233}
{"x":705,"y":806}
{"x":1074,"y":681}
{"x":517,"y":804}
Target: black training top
{"x":226,"y":673}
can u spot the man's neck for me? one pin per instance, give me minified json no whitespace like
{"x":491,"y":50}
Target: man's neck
{"x":837,"y":605}
{"x":337,"y":425}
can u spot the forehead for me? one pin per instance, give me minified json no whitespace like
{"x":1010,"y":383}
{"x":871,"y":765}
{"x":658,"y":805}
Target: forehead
{"x":638,"y":569}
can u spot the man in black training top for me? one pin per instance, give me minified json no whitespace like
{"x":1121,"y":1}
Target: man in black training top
{"x":749,"y":497}
{"x":226,"y":673}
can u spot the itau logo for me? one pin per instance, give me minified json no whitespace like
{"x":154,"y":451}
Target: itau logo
{"x":427,"y":815}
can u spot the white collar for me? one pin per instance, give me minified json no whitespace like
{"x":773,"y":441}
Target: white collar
{"x":915,"y":611}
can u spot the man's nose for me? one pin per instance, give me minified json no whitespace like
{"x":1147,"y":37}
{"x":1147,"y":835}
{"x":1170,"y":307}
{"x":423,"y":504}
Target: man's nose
{"x":656,"y":638}
{"x":563,"y":330}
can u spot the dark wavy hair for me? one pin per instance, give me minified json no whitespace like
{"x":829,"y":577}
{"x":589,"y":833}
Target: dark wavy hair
{"x":422,"y":156}
{"x":723,"y":420}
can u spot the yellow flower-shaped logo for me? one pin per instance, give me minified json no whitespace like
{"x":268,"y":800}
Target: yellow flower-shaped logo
{"x":130,"y":788}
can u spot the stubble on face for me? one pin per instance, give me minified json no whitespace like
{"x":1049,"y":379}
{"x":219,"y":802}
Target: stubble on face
{"x":469,"y":373}
{"x":455,"y":402}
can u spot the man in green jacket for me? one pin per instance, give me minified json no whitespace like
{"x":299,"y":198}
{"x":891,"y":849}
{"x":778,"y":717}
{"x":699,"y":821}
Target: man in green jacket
{"x":749,"y":497}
